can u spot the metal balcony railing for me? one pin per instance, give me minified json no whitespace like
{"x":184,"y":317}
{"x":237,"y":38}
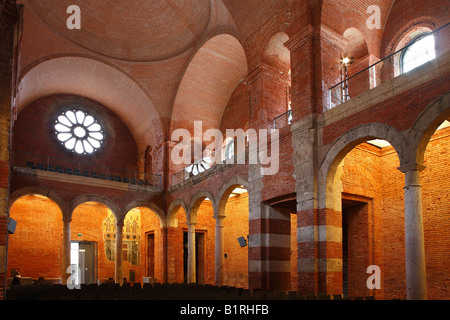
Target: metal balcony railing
{"x":86,"y":169}
{"x":282,"y":120}
{"x":356,"y":82}
{"x":228,"y":154}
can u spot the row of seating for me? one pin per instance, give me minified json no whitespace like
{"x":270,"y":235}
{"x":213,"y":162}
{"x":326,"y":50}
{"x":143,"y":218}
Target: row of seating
{"x":92,"y":174}
{"x":157,"y":292}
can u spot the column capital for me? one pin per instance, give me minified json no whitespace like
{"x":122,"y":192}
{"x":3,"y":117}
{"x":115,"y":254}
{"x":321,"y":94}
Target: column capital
{"x":411,"y":167}
{"x":120,"y":225}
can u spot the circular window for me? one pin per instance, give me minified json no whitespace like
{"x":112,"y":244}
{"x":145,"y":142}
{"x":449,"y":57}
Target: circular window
{"x":79,"y":132}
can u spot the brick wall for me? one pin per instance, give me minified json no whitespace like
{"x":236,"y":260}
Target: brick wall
{"x":36,"y":246}
{"x":377,"y":237}
{"x":34,"y":133}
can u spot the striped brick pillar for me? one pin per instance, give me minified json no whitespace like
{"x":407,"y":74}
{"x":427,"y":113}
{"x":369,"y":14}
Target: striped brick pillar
{"x":9,"y":15}
{"x":330,"y":251}
{"x":270,"y":250}
{"x":308,"y":251}
{"x":319,"y":235}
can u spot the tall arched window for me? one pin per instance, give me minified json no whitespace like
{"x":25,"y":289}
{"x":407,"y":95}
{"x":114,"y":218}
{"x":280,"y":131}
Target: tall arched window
{"x":421,"y":50}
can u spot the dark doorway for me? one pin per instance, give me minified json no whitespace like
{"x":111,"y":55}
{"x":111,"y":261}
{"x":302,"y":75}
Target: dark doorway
{"x":355,"y":245}
{"x":199,"y":256}
{"x":151,"y":255}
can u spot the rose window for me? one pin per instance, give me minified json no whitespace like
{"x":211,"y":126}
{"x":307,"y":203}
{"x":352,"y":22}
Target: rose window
{"x":79,"y":132}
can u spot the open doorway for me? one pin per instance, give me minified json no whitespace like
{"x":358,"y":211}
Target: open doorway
{"x":199,"y":256}
{"x":151,"y":255}
{"x":83,"y":255}
{"x":355,"y":246}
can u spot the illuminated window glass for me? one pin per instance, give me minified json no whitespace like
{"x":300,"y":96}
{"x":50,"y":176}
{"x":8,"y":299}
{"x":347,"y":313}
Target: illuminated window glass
{"x":79,"y":132}
{"x":419,"y":52}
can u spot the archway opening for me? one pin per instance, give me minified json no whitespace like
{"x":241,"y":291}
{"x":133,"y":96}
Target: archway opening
{"x":177,"y":248}
{"x":202,"y":217}
{"x":364,"y":220}
{"x":235,"y":212}
{"x":142,"y":246}
{"x":93,"y":242}
{"x":35,"y":247}
{"x":436,"y":208}
{"x":277,"y":68}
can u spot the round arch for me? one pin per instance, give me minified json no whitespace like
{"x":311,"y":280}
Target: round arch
{"x":344,"y":144}
{"x":99,"y":81}
{"x":195,"y":203}
{"x":149,"y":205}
{"x":223,"y":61}
{"x":52,"y":195}
{"x":425,"y":126}
{"x":173,"y":208}
{"x":226,"y":190}
{"x":99,"y":199}
{"x":276,"y":54}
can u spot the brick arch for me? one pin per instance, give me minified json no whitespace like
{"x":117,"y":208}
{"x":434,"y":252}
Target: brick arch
{"x":174,"y":206}
{"x":396,"y":40}
{"x":99,"y":199}
{"x":209,"y":80}
{"x":195,"y":203}
{"x":225,"y":192}
{"x":276,"y":54}
{"x":50,"y":194}
{"x":339,"y":149}
{"x":149,"y":205}
{"x":425,"y":126}
{"x":355,"y":13}
{"x":101,"y":82}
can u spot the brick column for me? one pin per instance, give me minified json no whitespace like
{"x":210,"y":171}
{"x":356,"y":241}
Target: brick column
{"x":308,"y":251}
{"x":330,"y":251}
{"x":268,"y":95}
{"x":9,"y":16}
{"x":270,"y":250}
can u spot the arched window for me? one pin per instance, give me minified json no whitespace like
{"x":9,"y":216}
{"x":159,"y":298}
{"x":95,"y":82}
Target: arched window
{"x":420,"y":50}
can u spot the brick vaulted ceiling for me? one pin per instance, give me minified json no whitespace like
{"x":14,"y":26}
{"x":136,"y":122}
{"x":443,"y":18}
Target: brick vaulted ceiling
{"x":157,"y":64}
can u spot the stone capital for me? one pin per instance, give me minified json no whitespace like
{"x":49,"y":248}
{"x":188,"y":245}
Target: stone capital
{"x":411,"y":167}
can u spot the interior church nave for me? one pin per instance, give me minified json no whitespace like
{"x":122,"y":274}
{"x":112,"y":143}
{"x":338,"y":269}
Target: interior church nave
{"x":354,"y":117}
